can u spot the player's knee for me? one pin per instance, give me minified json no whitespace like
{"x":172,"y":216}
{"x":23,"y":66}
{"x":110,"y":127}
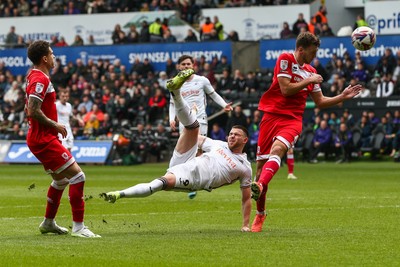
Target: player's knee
{"x":78,"y":178}
{"x":194,"y":125}
{"x":60,"y":184}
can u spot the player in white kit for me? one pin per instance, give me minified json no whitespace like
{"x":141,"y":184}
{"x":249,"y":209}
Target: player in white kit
{"x":194,"y":91}
{"x":222,"y":163}
{"x":64,"y":112}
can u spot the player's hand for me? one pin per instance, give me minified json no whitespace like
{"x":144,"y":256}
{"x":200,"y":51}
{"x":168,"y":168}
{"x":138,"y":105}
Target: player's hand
{"x":245,"y":229}
{"x":228,"y":107}
{"x":173,"y":125}
{"x":61,"y":129}
{"x":316,"y":78}
{"x":351,"y":91}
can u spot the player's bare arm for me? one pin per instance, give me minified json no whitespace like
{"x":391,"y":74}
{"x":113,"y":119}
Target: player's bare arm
{"x":246,"y":208}
{"x":288,"y":88}
{"x":228,"y":107}
{"x":34,"y":111}
{"x":323,"y":102}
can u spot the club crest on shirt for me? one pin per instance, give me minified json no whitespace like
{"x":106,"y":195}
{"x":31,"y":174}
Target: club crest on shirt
{"x":39,"y":88}
{"x":284,"y":64}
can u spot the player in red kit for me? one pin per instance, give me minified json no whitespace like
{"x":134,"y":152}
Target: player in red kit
{"x":42,"y":140}
{"x":283,"y":106}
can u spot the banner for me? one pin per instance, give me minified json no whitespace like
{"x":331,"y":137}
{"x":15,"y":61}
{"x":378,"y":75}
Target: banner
{"x":17,"y":61}
{"x":4,"y":147}
{"x":271,"y":49}
{"x":255,"y":23}
{"x":383,"y":16}
{"x":100,"y":26}
{"x":83,"y":152}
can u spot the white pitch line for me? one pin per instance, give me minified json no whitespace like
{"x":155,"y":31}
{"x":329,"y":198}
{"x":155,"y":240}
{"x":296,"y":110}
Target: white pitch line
{"x":206,"y":212}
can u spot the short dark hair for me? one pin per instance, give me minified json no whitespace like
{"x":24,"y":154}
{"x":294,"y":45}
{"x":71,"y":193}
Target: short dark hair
{"x":184,"y":57}
{"x":307,"y":39}
{"x":37,"y":50}
{"x":241,"y":127}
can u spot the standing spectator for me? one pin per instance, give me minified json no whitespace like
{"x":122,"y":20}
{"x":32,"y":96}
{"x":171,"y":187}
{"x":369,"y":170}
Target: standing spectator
{"x":43,"y":142}
{"x":156,"y":31}
{"x":300,"y":23}
{"x":360,"y":21}
{"x":219,"y":28}
{"x":320,"y":15}
{"x":144,"y":33}
{"x":70,"y":9}
{"x":326,"y":30}
{"x":205,"y":29}
{"x":11,"y":38}
{"x":169,"y":37}
{"x":286,"y":32}
{"x":116,"y":36}
{"x":91,"y":40}
{"x":232,"y":36}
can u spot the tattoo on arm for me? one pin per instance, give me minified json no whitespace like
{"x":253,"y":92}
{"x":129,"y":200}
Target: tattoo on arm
{"x":35,"y":112}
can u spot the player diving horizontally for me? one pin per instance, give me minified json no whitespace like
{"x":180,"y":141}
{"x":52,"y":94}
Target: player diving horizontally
{"x":222,"y":163}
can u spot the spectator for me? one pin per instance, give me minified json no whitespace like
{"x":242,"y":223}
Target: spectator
{"x":61,"y":42}
{"x":144,"y":33}
{"x":300,"y":23}
{"x":237,"y":118}
{"x":78,"y":41}
{"x":206,"y":29}
{"x":385,"y":87}
{"x":157,"y":104}
{"x":321,"y":141}
{"x":232,"y":36}
{"x":170,"y":68}
{"x":320,"y":15}
{"x":91,"y":40}
{"x":70,"y":9}
{"x":169,"y":37}
{"x":219,"y":28}
{"x":96,"y":111}
{"x":133,"y":35}
{"x":254,"y":130}
{"x":343,"y":144}
{"x":217,"y":133}
{"x":326,"y":31}
{"x":286,"y":32}
{"x":360,"y":21}
{"x":11,"y":38}
{"x":222,"y":65}
{"x":320,"y":69}
{"x":190,"y":37}
{"x":387,"y":63}
{"x":91,"y":126}
{"x":360,"y":74}
{"x":156,"y":31}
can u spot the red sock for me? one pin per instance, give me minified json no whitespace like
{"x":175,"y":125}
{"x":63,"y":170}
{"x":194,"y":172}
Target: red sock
{"x":53,"y":202}
{"x":269,"y":170}
{"x":76,"y":201}
{"x":261,"y":200}
{"x":290,"y":163}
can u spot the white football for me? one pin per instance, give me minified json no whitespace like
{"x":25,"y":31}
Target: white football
{"x":363,"y":38}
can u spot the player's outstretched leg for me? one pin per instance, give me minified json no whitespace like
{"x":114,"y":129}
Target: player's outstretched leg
{"x":50,"y":226}
{"x":176,"y":82}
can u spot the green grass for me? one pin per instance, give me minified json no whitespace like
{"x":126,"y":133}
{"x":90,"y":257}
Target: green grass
{"x":334,"y":215}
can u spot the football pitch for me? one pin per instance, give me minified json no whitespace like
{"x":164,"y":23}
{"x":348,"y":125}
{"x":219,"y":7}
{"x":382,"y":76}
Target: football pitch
{"x":333,"y":215}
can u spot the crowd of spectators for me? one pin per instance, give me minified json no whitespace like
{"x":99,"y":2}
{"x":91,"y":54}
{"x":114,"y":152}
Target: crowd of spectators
{"x":108,"y":96}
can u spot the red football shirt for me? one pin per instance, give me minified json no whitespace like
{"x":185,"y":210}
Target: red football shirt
{"x":273,"y":101}
{"x":38,"y":85}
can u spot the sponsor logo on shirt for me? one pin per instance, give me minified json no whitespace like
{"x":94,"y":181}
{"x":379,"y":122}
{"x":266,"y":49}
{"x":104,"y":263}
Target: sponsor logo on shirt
{"x":226,"y":157}
{"x":295,"y":68}
{"x":190,"y":92}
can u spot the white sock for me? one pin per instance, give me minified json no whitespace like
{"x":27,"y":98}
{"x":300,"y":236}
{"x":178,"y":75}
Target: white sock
{"x":178,"y":99}
{"x":76,"y":226}
{"x":261,"y":212}
{"x":143,"y":190}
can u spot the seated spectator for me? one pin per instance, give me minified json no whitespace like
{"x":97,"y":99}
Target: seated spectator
{"x":360,"y":73}
{"x":91,"y":126}
{"x":157,"y":104}
{"x":232,"y":36}
{"x":217,"y":133}
{"x":169,"y":37}
{"x":385,"y":87}
{"x":343,"y":144}
{"x":366,"y":131}
{"x":222,"y":65}
{"x":96,"y":111}
{"x":321,"y":141}
{"x":190,"y":37}
{"x":70,"y":9}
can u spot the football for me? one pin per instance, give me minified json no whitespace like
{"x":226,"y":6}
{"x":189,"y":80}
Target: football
{"x":363,"y":38}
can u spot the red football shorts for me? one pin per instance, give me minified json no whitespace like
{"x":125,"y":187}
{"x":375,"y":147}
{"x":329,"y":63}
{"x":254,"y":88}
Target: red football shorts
{"x":53,"y":155}
{"x":285,"y":129}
